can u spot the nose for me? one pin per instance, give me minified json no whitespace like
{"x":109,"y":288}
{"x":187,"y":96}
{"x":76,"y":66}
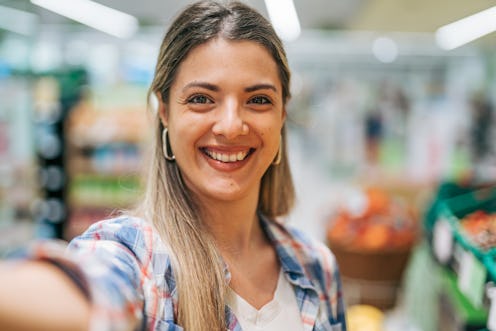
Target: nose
{"x":229,"y":122}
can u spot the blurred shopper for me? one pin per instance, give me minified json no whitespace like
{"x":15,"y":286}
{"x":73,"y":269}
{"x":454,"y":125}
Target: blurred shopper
{"x":373,"y":136}
{"x":206,"y":249}
{"x":482,"y":123}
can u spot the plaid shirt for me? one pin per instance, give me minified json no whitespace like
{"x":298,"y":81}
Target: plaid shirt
{"x":125,"y":269}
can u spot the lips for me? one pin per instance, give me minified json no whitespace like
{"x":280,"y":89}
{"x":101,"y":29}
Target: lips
{"x":227,"y":156}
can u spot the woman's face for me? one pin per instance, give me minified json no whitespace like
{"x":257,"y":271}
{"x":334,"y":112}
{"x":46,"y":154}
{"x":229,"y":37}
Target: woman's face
{"x":224,"y":116}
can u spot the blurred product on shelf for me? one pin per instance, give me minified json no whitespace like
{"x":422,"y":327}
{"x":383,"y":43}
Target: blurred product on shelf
{"x":372,"y":236}
{"x":111,"y":191}
{"x":17,"y":163}
{"x":54,"y":95}
{"x":480,"y":228}
{"x":482,"y":134}
{"x":459,"y":228}
{"x":364,"y":318}
{"x":444,"y":191}
{"x":376,"y":221}
{"x":462,"y":226}
{"x":92,"y":126}
{"x":104,"y":156}
{"x":466,"y":221}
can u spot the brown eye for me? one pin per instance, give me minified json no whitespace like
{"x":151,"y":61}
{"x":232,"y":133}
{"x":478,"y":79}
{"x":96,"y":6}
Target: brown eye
{"x":201,"y":99}
{"x":260,"y":100}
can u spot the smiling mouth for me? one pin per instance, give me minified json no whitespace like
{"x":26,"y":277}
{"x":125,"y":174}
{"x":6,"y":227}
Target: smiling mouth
{"x":227,"y":157}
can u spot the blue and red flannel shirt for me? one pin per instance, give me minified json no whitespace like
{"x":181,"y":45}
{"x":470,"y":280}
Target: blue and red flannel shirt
{"x":124,"y":267}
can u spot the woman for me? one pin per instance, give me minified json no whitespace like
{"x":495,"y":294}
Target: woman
{"x":205,"y":251}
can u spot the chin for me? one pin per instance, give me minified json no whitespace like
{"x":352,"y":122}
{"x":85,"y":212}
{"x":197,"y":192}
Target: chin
{"x":224,"y":190}
{"x":226,"y":195}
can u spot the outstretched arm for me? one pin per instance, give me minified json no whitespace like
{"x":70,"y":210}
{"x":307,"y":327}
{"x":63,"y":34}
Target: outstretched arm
{"x":39,"y":296}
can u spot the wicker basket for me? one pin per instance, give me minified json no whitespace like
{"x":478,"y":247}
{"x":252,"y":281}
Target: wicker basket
{"x":372,"y":278}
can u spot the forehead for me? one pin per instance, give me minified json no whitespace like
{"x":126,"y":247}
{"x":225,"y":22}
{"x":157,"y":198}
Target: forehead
{"x":237,"y":59}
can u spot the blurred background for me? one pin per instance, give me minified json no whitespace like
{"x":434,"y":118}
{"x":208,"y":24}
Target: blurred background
{"x":391,"y":131}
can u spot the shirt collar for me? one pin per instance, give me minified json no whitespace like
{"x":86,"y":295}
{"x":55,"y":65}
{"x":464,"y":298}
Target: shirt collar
{"x":289,"y":251}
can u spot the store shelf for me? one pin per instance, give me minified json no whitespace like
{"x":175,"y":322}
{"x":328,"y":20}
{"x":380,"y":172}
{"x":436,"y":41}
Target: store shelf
{"x":465,"y":255}
{"x":104,"y":157}
{"x":103,"y":190}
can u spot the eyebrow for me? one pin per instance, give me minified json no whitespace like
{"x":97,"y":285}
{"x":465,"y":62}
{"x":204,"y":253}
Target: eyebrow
{"x":260,"y":87}
{"x":215,"y":88}
{"x":204,"y":85}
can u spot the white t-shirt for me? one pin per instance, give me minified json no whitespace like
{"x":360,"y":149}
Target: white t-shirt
{"x":280,"y":314}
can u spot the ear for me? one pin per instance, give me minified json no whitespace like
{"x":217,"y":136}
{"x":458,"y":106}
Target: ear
{"x":162,"y":110}
{"x":284,"y":115}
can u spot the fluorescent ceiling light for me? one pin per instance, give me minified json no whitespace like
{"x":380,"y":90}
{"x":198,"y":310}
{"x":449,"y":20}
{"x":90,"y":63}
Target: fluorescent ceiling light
{"x":385,"y":49}
{"x":282,"y":14}
{"x":93,"y":14}
{"x":467,"y":29}
{"x":17,"y":21}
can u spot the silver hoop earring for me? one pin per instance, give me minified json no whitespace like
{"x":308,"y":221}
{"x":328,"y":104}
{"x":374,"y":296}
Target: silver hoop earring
{"x":278,"y":158}
{"x":165,"y":144}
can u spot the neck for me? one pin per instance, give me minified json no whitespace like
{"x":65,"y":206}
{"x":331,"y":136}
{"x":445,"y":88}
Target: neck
{"x":234,"y":226}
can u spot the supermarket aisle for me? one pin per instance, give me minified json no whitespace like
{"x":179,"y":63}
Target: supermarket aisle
{"x":362,"y":132}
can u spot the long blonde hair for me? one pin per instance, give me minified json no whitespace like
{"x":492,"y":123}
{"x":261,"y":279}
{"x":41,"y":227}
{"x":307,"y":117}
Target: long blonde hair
{"x":167,"y":202}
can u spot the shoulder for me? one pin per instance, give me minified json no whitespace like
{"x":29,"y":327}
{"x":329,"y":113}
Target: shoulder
{"x":132,"y":232}
{"x":127,"y":235}
{"x":122,"y":226}
{"x":129,"y":263}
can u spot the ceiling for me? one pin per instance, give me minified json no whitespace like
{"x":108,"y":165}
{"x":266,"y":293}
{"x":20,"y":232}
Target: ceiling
{"x":370,"y":15}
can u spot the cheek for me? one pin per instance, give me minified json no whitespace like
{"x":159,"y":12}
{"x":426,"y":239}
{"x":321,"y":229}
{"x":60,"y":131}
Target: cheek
{"x":176,"y":139}
{"x":271,"y":131}
{"x":271,"y":139}
{"x":185,"y":132}
{"x":269,"y":125}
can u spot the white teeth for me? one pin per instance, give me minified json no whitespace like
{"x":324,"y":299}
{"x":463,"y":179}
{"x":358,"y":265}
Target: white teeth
{"x":239,"y":156}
